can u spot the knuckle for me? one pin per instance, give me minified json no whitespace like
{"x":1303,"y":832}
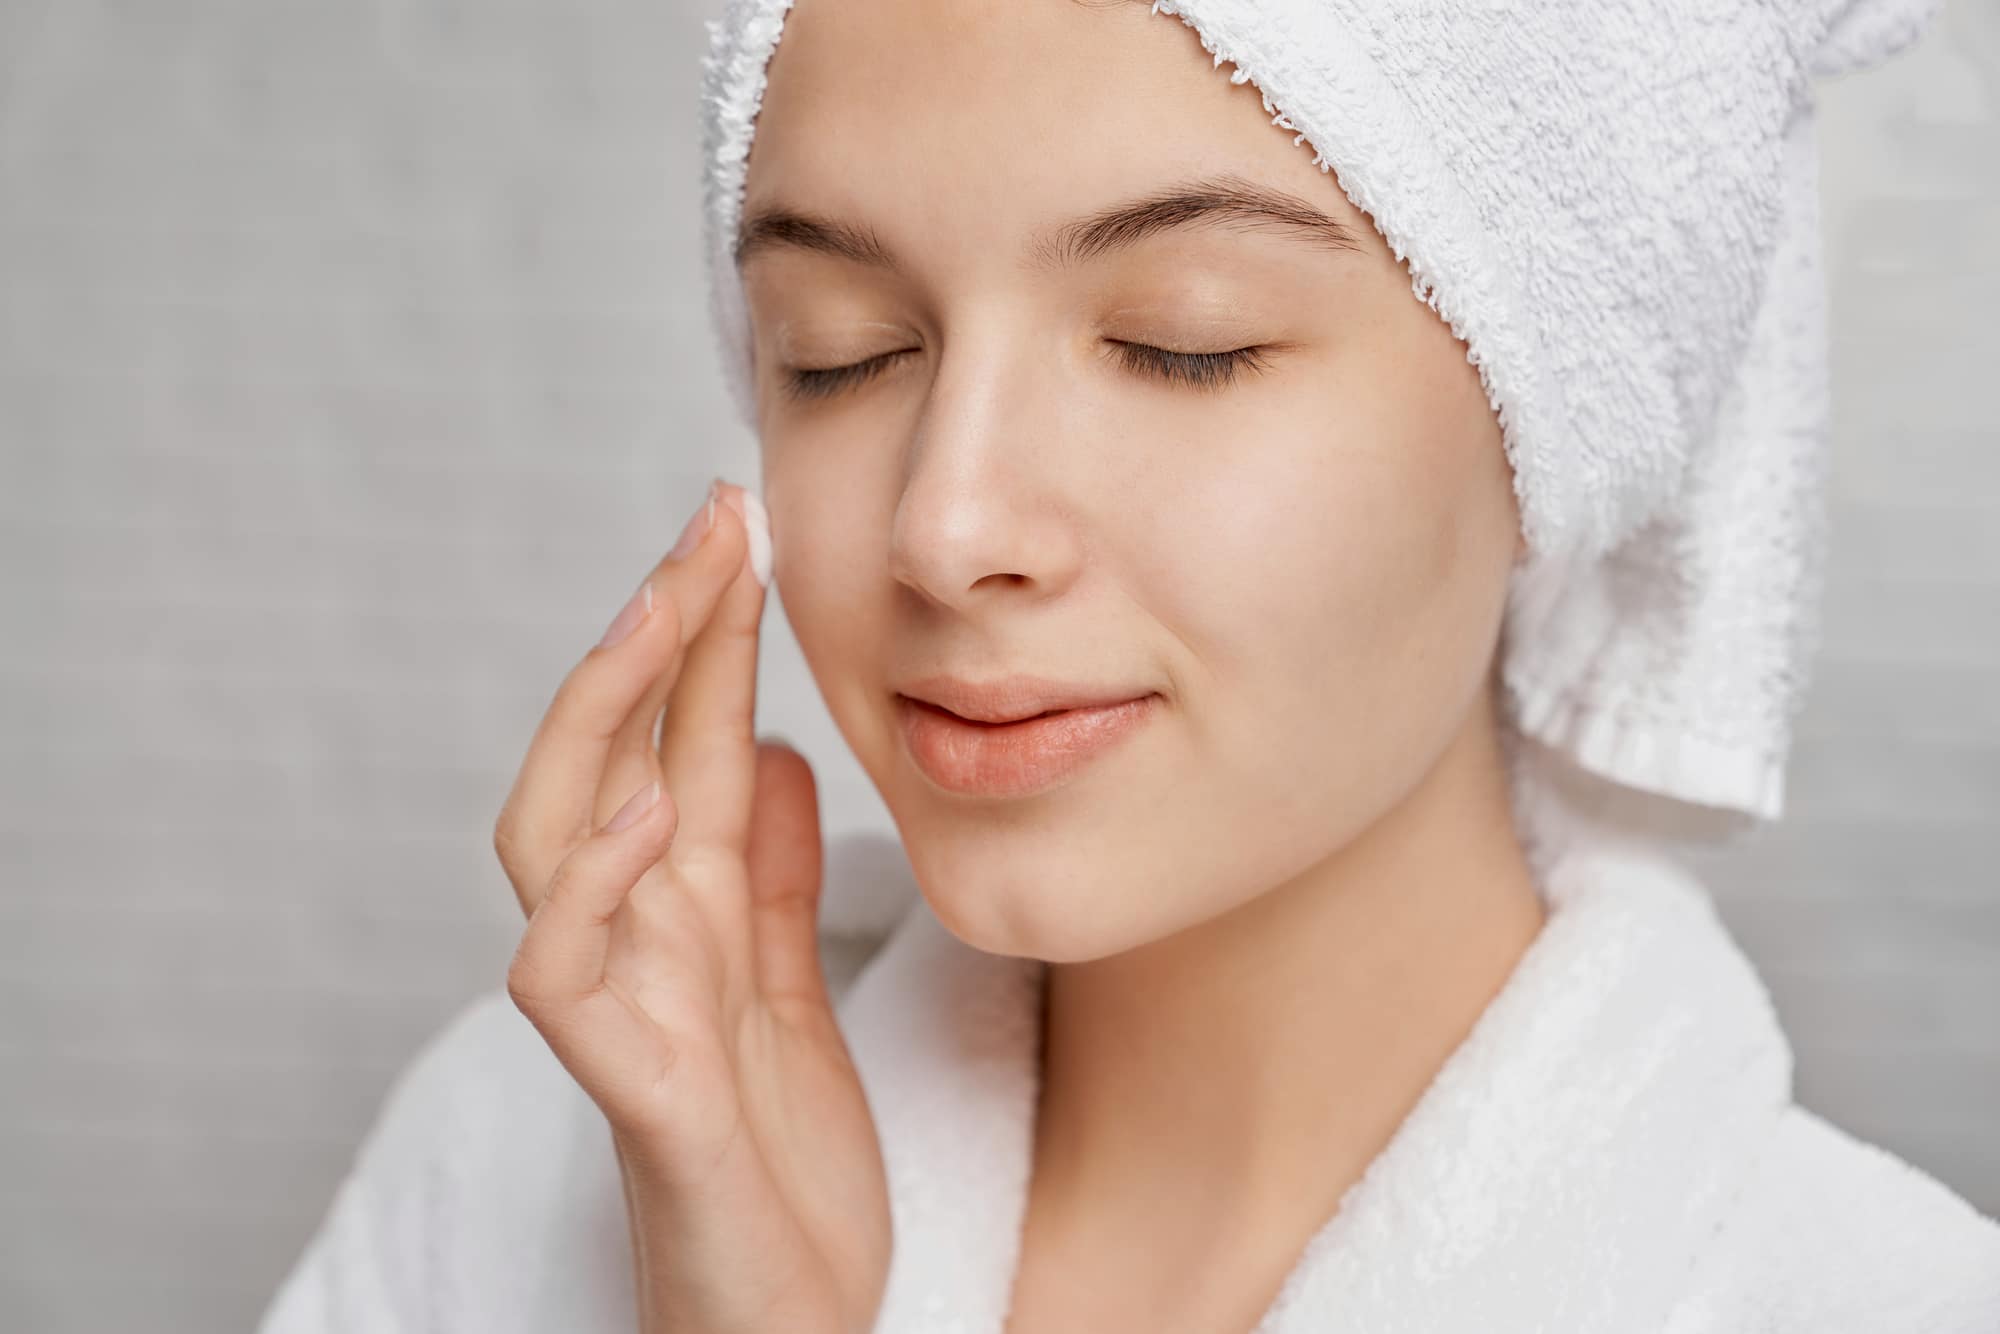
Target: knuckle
{"x":527,"y":985}
{"x":576,"y":875}
{"x":563,"y":881}
{"x":668,"y":609}
{"x":507,"y":839}
{"x":521,"y":988}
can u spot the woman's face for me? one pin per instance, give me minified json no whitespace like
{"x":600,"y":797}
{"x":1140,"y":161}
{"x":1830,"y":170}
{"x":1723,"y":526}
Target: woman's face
{"x":1303,"y":555}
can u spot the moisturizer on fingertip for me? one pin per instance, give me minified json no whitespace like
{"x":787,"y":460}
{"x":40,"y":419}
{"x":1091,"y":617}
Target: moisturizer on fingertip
{"x":757,"y":520}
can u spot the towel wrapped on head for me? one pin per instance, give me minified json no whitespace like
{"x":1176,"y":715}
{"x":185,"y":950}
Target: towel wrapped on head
{"x":1615,"y":207}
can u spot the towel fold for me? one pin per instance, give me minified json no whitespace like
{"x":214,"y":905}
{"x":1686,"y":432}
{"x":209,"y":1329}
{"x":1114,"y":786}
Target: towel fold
{"x":1615,"y":207}
{"x":1613,"y":1148}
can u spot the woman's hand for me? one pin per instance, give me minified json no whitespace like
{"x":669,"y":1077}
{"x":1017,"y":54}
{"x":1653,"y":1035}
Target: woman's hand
{"x":671,"y":961}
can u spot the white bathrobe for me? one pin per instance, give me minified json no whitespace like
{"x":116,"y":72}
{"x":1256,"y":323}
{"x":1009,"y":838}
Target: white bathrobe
{"x":1613,"y":1148}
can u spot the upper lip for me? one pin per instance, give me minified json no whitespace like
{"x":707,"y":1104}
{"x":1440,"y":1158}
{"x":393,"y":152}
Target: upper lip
{"x":1012,"y":698}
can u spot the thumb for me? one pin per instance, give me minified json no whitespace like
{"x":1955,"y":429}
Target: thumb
{"x":784,"y":860}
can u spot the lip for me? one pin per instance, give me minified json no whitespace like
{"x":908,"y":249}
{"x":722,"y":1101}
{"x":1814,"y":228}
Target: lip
{"x":1011,"y":698}
{"x":1014,"y":759}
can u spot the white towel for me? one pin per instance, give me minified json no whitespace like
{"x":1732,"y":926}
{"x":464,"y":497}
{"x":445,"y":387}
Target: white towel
{"x":1615,"y":206}
{"x":1614,"y":1148}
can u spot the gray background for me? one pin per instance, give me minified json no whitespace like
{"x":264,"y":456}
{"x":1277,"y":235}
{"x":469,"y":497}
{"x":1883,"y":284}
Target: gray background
{"x":353,"y":366}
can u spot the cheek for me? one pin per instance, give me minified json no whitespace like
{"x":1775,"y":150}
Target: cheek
{"x":1339,"y":594}
{"x":819,"y":497}
{"x":827,"y":579}
{"x":1406,"y":571}
{"x":1311,"y":555}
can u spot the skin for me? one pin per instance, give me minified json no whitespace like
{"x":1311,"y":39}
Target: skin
{"x":1276,"y":910}
{"x":670,"y":869}
{"x":1270,"y":914}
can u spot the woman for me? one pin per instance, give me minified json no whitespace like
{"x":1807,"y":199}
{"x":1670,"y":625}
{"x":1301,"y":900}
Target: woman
{"x":1316,"y":962}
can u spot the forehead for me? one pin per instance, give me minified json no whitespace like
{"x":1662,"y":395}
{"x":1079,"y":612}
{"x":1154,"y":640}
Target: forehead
{"x":949,"y":110}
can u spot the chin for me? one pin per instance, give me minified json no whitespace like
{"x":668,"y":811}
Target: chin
{"x":1024,"y":895}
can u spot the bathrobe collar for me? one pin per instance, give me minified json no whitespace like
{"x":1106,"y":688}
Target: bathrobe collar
{"x":1562,"y":1170}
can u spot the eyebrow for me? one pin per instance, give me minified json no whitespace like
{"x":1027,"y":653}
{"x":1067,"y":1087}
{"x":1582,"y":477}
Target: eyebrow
{"x":1210,"y":201}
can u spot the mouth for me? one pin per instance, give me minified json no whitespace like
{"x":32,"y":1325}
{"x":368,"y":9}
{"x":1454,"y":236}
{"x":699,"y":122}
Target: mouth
{"x":990,"y":722}
{"x":1016,"y":756}
{"x":1012,"y":699}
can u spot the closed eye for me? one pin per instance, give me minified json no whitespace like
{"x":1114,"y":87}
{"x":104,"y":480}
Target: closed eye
{"x":825,"y":383}
{"x":1195,"y":370}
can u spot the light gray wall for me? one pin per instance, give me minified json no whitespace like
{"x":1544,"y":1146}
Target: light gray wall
{"x":1874,"y":909}
{"x":353,"y":364}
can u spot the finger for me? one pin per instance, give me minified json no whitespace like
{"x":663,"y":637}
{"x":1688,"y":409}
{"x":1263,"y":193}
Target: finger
{"x":560,"y":960}
{"x":785,"y":863}
{"x":556,"y":797}
{"x":707,"y":736}
{"x":634,"y":754}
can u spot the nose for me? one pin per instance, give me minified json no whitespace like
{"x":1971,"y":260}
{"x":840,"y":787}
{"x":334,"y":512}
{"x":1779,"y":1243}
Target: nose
{"x":987,"y":510}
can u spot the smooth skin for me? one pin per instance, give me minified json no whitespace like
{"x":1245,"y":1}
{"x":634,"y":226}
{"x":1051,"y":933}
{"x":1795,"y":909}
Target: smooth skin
{"x":1272,"y":913}
{"x":672,"y":965}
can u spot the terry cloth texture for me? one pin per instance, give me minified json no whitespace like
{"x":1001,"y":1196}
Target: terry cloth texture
{"x":1613,"y":1148}
{"x":1615,"y":207}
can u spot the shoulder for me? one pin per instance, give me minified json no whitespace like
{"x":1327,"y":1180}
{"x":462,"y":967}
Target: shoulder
{"x":484,"y":1092}
{"x":487,"y":1075}
{"x":485,"y":1193}
{"x":1834,"y":1233}
{"x":481,"y":1190}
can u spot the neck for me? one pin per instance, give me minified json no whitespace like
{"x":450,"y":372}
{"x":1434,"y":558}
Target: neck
{"x":1251,"y":1066}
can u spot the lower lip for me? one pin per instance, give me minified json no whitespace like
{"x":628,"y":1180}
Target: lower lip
{"x":1013,"y":759}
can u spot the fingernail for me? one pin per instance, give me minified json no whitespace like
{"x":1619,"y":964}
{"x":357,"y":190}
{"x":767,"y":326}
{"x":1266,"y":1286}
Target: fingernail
{"x":697,"y":528}
{"x":757,"y":521}
{"x":635,"y":806}
{"x":636,"y":609}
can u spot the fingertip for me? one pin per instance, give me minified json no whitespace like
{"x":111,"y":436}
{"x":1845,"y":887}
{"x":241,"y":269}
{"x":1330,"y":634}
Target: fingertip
{"x":756,"y":527}
{"x":759,"y":522}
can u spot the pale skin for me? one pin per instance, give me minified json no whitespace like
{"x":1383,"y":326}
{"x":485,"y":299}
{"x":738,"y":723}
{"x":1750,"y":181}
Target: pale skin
{"x":1273,"y":913}
{"x":672,"y":964}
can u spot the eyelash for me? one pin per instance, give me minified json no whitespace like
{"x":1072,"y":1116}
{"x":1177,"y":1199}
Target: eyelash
{"x":825,"y":383}
{"x":1195,"y":370}
{"x":1206,"y":371}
